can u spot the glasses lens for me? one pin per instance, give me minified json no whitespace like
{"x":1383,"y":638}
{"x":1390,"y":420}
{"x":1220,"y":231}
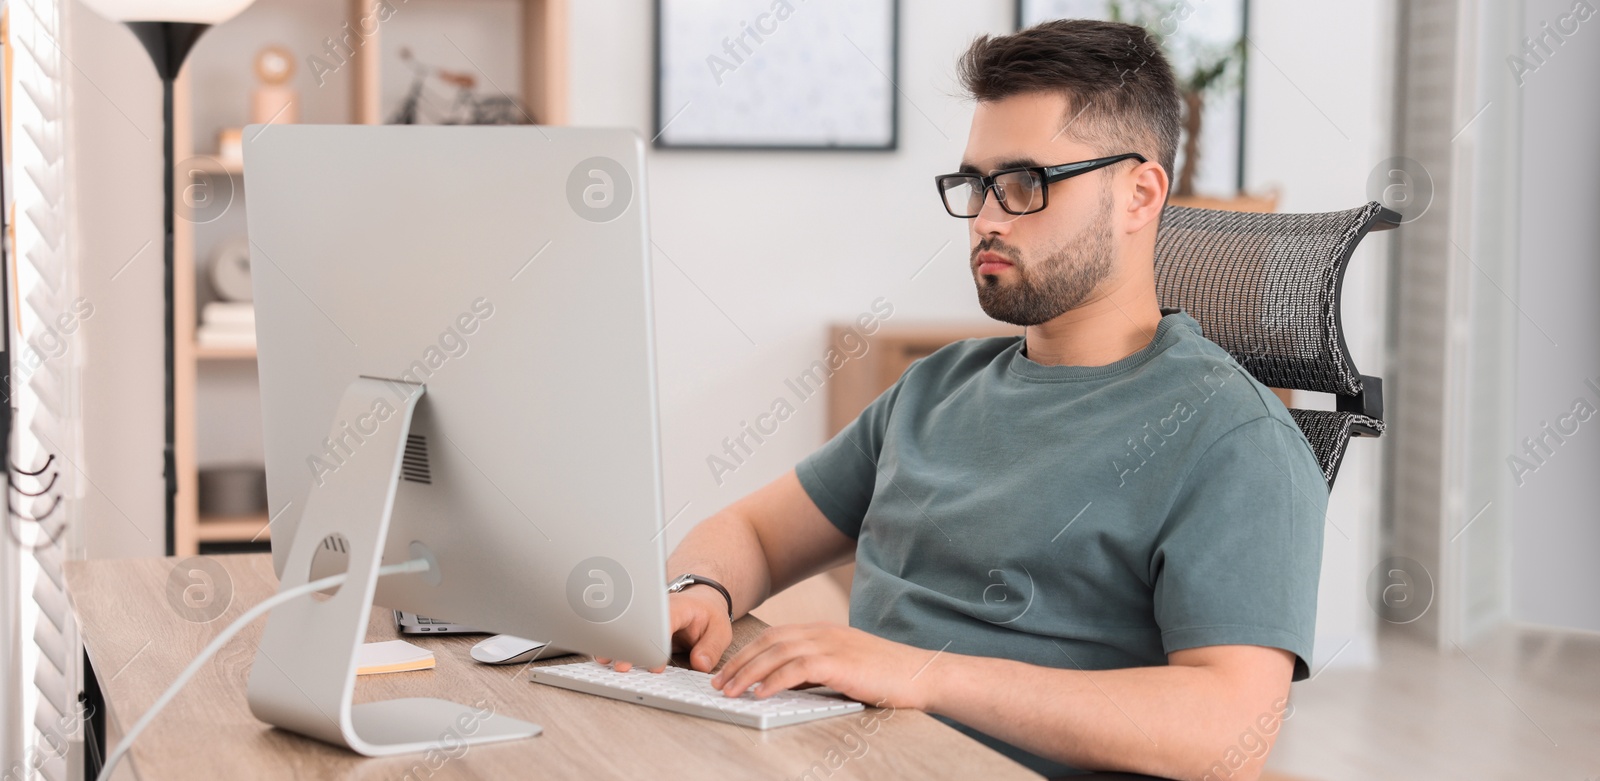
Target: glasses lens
{"x":1021,"y":192}
{"x":963,"y":195}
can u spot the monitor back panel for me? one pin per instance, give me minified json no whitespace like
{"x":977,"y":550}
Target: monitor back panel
{"x":506,"y":269}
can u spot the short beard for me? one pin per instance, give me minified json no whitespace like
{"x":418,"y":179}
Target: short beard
{"x":1063,"y":282}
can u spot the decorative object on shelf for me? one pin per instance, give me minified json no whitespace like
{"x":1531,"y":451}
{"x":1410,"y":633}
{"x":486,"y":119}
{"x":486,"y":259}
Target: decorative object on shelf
{"x":229,"y":270}
{"x":227,"y":325}
{"x":467,"y":108}
{"x":233,"y":491}
{"x":274,"y":100}
{"x":168,"y":29}
{"x":1205,"y":44}
{"x":815,"y":75}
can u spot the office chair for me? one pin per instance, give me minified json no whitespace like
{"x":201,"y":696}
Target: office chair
{"x":1266,"y":288}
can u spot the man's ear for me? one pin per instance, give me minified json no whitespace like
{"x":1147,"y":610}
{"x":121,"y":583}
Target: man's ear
{"x":1149,"y":196}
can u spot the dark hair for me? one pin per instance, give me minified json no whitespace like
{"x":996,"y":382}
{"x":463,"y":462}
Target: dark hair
{"x":1121,"y":96}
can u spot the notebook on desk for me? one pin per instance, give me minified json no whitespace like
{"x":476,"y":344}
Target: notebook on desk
{"x":393,"y":656}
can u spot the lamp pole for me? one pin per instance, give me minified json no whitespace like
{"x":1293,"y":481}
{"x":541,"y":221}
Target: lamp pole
{"x":169,"y":44}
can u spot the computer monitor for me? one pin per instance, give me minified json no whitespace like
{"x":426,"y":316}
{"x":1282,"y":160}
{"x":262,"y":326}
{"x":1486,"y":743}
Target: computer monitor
{"x":456,"y":356}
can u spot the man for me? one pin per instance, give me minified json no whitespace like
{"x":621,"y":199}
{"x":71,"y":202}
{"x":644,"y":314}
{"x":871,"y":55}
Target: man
{"x":1092,"y":547}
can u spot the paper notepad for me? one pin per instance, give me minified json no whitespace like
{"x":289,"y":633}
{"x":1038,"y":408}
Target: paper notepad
{"x":392,"y":656}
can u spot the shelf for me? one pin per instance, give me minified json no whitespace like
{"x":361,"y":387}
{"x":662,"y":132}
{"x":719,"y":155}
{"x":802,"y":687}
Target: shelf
{"x":1243,"y":202}
{"x":236,"y":528}
{"x":209,"y":164}
{"x":207,"y":352}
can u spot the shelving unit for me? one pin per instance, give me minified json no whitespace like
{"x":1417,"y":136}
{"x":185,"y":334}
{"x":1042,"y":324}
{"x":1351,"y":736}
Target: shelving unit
{"x":544,"y":93}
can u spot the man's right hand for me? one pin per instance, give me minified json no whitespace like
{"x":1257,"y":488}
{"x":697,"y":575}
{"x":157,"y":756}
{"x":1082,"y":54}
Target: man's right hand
{"x":771,"y":539}
{"x":699,"y":619}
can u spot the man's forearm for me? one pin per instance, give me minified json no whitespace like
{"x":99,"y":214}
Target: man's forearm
{"x":1175,"y":721}
{"x":765,"y":542}
{"x":726,"y":549}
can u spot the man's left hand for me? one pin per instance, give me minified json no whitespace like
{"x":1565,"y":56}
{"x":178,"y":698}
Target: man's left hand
{"x":859,"y":665}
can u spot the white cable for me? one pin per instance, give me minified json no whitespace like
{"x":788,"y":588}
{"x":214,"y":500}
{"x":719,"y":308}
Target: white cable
{"x":414,"y":565}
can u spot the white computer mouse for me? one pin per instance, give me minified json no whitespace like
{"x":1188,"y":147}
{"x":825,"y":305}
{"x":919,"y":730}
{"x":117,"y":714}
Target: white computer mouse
{"x":506,"y":649}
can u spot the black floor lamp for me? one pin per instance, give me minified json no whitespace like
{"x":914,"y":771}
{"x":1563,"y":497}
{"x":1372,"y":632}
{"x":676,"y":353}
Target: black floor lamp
{"x":168,"y":29}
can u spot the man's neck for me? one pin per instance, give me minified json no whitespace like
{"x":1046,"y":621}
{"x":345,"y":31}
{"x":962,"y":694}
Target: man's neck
{"x":1119,"y":322}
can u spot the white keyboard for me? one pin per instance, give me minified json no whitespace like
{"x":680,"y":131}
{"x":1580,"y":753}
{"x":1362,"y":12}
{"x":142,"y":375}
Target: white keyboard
{"x":690,"y":692}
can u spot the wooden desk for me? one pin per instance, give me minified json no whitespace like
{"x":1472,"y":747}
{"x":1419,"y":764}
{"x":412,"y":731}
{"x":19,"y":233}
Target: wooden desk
{"x":137,"y":645}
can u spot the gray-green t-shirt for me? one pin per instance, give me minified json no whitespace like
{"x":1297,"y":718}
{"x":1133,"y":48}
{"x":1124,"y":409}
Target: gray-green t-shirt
{"x":1080,"y":517}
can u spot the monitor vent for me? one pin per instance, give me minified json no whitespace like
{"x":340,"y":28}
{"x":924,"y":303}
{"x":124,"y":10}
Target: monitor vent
{"x":414,"y":465}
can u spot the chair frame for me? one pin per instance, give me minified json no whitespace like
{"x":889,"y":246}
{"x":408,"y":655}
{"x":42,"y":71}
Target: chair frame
{"x":1364,"y":407}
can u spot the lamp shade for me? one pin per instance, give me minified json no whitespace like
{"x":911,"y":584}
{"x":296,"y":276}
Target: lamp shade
{"x":209,"y":12}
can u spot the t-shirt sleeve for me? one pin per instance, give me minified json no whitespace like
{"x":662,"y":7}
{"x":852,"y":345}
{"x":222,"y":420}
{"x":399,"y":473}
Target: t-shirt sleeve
{"x":840,"y":475}
{"x":1238,"y":558}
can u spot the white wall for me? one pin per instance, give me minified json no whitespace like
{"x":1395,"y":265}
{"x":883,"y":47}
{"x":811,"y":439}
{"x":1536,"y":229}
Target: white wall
{"x":781,"y":243}
{"x":1555,"y":539}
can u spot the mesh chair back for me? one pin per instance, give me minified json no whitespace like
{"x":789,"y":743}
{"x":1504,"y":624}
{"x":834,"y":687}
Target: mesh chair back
{"x":1266,"y":288}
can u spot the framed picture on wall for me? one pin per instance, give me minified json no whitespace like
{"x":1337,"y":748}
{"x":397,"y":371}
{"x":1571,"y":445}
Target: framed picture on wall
{"x":1205,"y":44}
{"x":776,"y":74}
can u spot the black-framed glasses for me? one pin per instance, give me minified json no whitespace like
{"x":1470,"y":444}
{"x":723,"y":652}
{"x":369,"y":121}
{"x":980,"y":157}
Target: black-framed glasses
{"x":1019,"y":191}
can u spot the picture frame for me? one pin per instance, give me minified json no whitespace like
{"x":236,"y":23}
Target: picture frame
{"x":1212,"y":24}
{"x":776,"y":75}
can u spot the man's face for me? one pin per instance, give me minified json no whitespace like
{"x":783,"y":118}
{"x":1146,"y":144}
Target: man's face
{"x":1031,"y":268}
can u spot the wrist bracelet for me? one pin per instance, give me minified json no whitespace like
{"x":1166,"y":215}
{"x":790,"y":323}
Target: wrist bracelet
{"x":684,"y":581}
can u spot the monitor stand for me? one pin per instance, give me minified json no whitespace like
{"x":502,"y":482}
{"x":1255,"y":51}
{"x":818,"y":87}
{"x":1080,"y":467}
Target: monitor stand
{"x":305,"y":668}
